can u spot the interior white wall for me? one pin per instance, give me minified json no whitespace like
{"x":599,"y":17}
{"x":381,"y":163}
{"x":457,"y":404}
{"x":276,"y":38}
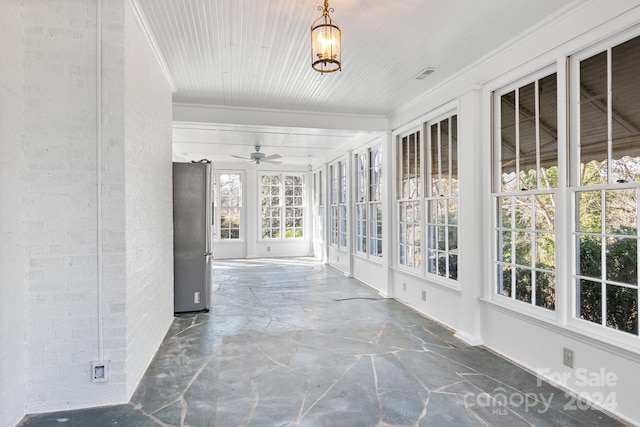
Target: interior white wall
{"x":12,"y":291}
{"x":148,"y":184}
{"x":56,"y":125}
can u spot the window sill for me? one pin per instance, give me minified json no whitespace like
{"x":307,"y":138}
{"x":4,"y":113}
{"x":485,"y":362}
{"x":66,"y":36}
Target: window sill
{"x":592,"y":335}
{"x":429,"y":280}
{"x":443,"y":282}
{"x":372,"y":259}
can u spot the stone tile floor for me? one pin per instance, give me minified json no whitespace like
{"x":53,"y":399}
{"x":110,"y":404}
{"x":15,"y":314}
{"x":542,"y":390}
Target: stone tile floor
{"x":294,"y":343}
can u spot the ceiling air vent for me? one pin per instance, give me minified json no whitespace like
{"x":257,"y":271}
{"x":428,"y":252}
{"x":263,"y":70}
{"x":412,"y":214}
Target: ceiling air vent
{"x":424,"y":73}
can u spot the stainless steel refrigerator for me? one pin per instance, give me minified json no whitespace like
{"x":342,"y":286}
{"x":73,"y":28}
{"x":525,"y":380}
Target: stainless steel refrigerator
{"x":192,"y":222}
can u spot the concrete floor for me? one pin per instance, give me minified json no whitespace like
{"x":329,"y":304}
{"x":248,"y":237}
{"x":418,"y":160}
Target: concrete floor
{"x":295,"y":343}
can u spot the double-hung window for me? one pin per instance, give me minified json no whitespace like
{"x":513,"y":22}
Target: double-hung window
{"x":338,"y":208}
{"x":442,"y":197}
{"x":375,"y":202}
{"x":342,"y":206}
{"x":368,"y":202}
{"x":605,"y":184}
{"x":409,"y":210}
{"x":525,"y":190}
{"x":318,"y":206}
{"x":361,"y":203}
{"x":227,"y":201}
{"x":282,"y":205}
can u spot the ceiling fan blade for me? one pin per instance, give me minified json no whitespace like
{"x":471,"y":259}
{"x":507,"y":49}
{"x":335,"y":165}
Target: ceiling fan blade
{"x":243,"y":158}
{"x":273,"y":157}
{"x":271,"y":162}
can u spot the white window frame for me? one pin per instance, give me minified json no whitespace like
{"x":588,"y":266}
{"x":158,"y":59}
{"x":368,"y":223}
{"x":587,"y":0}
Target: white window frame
{"x":576,"y":187}
{"x":441,"y":201}
{"x":342,"y":205}
{"x":498,"y":196}
{"x":282,"y":206}
{"x":368,"y":203}
{"x":409,"y":203}
{"x":338,"y":221}
{"x":217,"y":203}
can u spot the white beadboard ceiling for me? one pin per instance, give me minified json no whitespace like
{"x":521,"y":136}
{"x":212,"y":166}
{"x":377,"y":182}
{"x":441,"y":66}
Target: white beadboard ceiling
{"x":255,"y":55}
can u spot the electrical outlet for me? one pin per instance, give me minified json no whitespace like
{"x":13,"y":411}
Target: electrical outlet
{"x":100,"y":371}
{"x":196,"y":297}
{"x":567,"y":357}
{"x":424,"y":295}
{"x":268,"y":248}
{"x":404,"y":287}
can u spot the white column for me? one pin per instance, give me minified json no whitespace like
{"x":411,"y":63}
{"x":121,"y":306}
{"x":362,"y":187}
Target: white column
{"x":470,"y":215}
{"x":388,"y":228}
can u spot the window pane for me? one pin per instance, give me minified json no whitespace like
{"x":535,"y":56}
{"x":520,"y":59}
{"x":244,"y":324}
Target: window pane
{"x":442,"y":212}
{"x":625,"y":82}
{"x":432,"y":239}
{"x":442,"y":236}
{"x":590,"y":259}
{"x":545,"y":251}
{"x":445,"y":189}
{"x":453,"y":211}
{"x":590,"y":301}
{"x":589,"y":211}
{"x":544,"y":211}
{"x":504,"y":250}
{"x":548,"y":131}
{"x":523,"y":248}
{"x":621,"y":212}
{"x":504,"y":212}
{"x":432,"y":214}
{"x":523,"y":212}
{"x":453,"y":266}
{"x":508,"y":141}
{"x":523,"y":284}
{"x":622,"y":260}
{"x":527,"y":137}
{"x":622,"y":309}
{"x":435,"y":160}
{"x":504,"y":280}
{"x":454,"y":155}
{"x":453,"y":238}
{"x":593,"y":118}
{"x":545,"y":290}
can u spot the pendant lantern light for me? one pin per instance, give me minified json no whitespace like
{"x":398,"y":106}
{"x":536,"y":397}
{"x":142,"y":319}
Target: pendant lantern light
{"x":326,"y":49}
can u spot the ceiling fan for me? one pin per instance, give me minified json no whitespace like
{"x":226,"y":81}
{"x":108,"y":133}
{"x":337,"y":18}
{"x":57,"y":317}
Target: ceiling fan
{"x":259,"y":157}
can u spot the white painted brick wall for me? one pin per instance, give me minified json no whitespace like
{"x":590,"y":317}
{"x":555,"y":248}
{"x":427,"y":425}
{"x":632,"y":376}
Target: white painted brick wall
{"x":149,"y":203}
{"x":12,"y":292}
{"x":57,"y":186}
{"x":61,"y":207}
